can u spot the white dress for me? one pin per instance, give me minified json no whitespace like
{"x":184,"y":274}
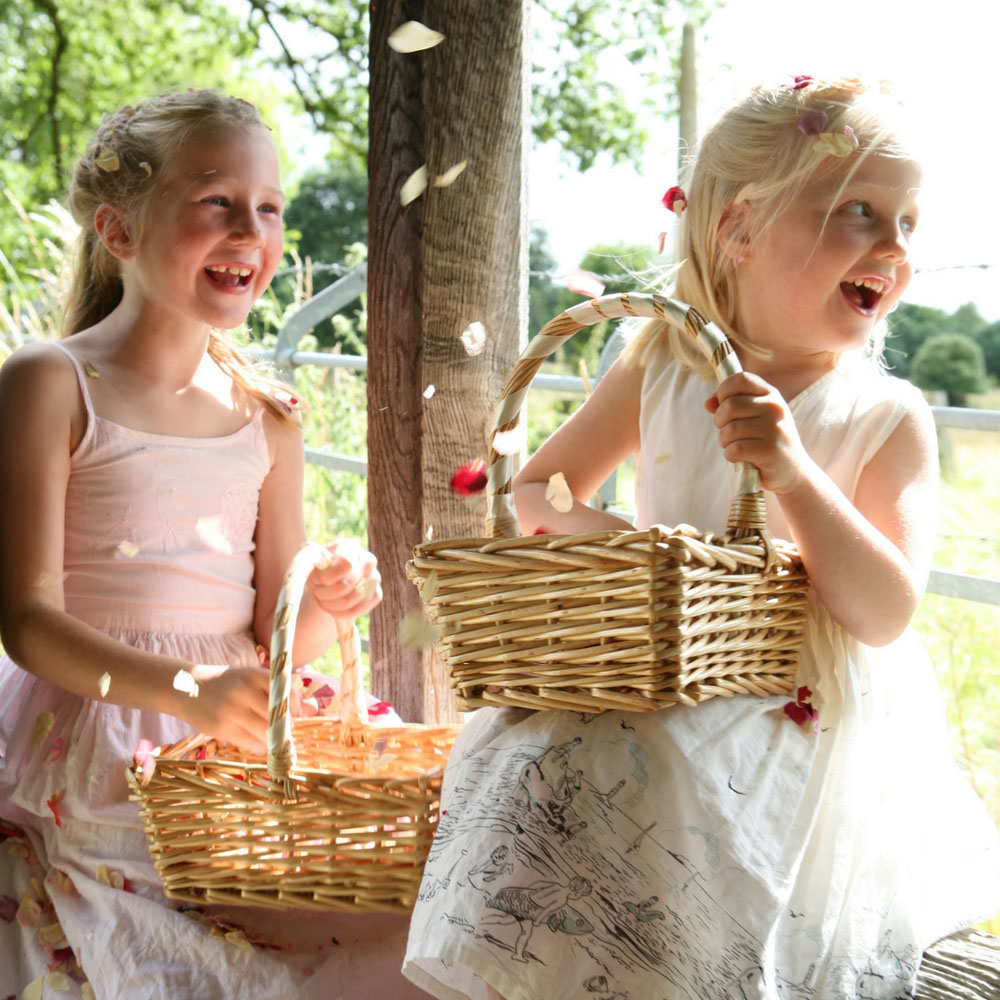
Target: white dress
{"x":158,"y":553}
{"x":721,"y":852}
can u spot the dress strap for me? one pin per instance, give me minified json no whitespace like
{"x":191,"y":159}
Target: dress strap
{"x":84,"y":392}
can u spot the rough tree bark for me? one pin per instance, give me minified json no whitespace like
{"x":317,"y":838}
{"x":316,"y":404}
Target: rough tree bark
{"x":456,"y":255}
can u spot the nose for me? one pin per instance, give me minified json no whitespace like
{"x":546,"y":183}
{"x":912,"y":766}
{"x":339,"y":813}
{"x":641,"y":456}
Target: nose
{"x":246,"y":228}
{"x":894,"y":242}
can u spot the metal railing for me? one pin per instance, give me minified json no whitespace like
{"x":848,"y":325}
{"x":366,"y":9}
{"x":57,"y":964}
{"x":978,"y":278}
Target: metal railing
{"x":335,"y":297}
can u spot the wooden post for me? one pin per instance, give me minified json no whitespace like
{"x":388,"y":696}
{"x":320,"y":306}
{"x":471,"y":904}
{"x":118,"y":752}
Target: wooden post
{"x":456,"y":255}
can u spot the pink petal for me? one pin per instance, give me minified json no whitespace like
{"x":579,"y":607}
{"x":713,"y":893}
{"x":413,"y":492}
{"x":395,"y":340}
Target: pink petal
{"x":470,"y":478}
{"x":585,"y":283}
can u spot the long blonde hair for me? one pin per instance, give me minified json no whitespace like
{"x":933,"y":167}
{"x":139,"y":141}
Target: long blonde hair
{"x":133,"y":149}
{"x":758,"y":155}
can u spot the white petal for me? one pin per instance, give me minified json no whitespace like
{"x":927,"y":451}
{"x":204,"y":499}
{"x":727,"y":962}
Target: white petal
{"x":584,"y":283}
{"x":429,"y":391}
{"x":104,"y":684}
{"x":415,"y":631}
{"x":557,"y":492}
{"x":184,"y":682}
{"x":508,"y":442}
{"x":414,"y":185}
{"x":412,"y":36}
{"x":474,"y":339}
{"x":450,"y":175}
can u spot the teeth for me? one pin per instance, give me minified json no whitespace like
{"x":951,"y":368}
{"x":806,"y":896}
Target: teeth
{"x":875,"y":284}
{"x":224,"y":268}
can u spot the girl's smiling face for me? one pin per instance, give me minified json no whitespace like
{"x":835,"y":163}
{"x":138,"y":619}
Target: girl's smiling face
{"x":213,"y":235}
{"x":815,"y":282}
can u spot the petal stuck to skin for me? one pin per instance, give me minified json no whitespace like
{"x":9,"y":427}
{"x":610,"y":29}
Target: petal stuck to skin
{"x":558,"y":493}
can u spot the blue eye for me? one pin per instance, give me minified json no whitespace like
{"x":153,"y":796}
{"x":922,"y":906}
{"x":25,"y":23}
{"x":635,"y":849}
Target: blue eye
{"x":216,"y":199}
{"x":858,"y":208}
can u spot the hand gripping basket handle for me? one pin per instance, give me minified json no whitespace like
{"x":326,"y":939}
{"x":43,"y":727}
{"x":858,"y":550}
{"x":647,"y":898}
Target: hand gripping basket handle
{"x":353,"y":708}
{"x":747,"y":515}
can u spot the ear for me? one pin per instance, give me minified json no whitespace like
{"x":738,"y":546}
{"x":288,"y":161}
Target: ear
{"x":114,"y":231}
{"x":734,"y":232}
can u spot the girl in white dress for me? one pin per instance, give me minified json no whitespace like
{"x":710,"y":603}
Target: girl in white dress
{"x":728,"y":850}
{"x":151,"y":498}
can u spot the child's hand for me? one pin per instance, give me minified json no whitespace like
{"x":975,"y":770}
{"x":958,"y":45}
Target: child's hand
{"x":756,"y":426}
{"x":231,"y":704}
{"x":351,"y":585}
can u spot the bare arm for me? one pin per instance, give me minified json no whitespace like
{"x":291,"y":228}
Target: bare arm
{"x":337,"y":591}
{"x":868,"y":561}
{"x":41,"y":419}
{"x":585,"y":449}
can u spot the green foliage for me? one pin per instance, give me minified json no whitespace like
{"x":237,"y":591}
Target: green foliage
{"x":952,"y":362}
{"x":988,"y":339}
{"x":909,"y":326}
{"x":575,"y":102}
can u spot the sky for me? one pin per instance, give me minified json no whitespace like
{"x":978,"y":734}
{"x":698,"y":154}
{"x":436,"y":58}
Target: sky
{"x":941,"y":62}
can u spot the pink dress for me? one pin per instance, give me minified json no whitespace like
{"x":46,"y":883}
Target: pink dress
{"x":158,"y":553}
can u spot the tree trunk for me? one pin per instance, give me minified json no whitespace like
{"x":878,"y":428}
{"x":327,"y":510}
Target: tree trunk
{"x":454,"y":256}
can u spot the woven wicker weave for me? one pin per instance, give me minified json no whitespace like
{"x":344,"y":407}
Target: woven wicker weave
{"x":634,"y":620}
{"x":339,"y":817}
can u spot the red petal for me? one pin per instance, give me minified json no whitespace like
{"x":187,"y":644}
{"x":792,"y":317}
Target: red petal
{"x":470,"y":478}
{"x":796,"y":713}
{"x":380,"y":708}
{"x":803,"y":694}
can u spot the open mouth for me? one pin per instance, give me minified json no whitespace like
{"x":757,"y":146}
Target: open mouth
{"x":864,"y":294}
{"x":229,"y":275}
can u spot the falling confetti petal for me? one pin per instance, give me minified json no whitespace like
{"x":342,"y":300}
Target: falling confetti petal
{"x":470,"y":478}
{"x":412,"y":36}
{"x":429,"y":391}
{"x":474,"y":339}
{"x":450,"y":175}
{"x":557,"y":492}
{"x":104,"y":684}
{"x":584,"y":283}
{"x":414,"y":185}
{"x":415,"y":631}
{"x":508,"y":442}
{"x":429,"y":533}
{"x":43,"y":725}
{"x":146,"y":168}
{"x":128,"y":549}
{"x":145,"y":759}
{"x":185,"y":682}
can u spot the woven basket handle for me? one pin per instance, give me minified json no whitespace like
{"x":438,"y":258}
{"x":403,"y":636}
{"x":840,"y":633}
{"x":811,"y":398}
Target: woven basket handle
{"x":353,"y":709}
{"x":747,"y":515}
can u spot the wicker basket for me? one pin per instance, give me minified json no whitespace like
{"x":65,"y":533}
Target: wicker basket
{"x":634,"y":620}
{"x":339,"y":818}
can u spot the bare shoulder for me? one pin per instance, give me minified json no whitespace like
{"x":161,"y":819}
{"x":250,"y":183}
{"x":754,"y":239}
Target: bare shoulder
{"x":284,"y":438}
{"x":39,"y":384}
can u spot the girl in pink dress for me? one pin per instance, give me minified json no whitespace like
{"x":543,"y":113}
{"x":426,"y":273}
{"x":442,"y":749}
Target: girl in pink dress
{"x":746,"y":848}
{"x":151,"y":489}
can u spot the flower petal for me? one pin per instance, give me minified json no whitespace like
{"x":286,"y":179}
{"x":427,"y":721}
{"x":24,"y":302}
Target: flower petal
{"x":107,"y":160}
{"x":585,"y":283}
{"x":415,"y":631}
{"x":184,"y":682}
{"x":470,"y":478}
{"x":43,"y":725}
{"x":412,"y":36}
{"x":414,"y":186}
{"x":104,"y":684}
{"x":509,"y":442}
{"x":558,"y":493}
{"x":55,"y":751}
{"x":473,"y":338}
{"x":450,"y":175}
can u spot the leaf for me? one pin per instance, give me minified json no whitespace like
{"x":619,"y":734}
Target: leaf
{"x":414,"y":185}
{"x":558,"y":493}
{"x":473,"y":338}
{"x":450,"y":175}
{"x":412,"y":36}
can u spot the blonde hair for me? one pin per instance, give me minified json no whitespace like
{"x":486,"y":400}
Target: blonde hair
{"x":751,"y":165}
{"x":132,"y":150}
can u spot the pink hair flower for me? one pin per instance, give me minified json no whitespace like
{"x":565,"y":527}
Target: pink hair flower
{"x":800,"y":82}
{"x":813,"y":122}
{"x":675,"y":200}
{"x":802,"y":711}
{"x":470,"y":478}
